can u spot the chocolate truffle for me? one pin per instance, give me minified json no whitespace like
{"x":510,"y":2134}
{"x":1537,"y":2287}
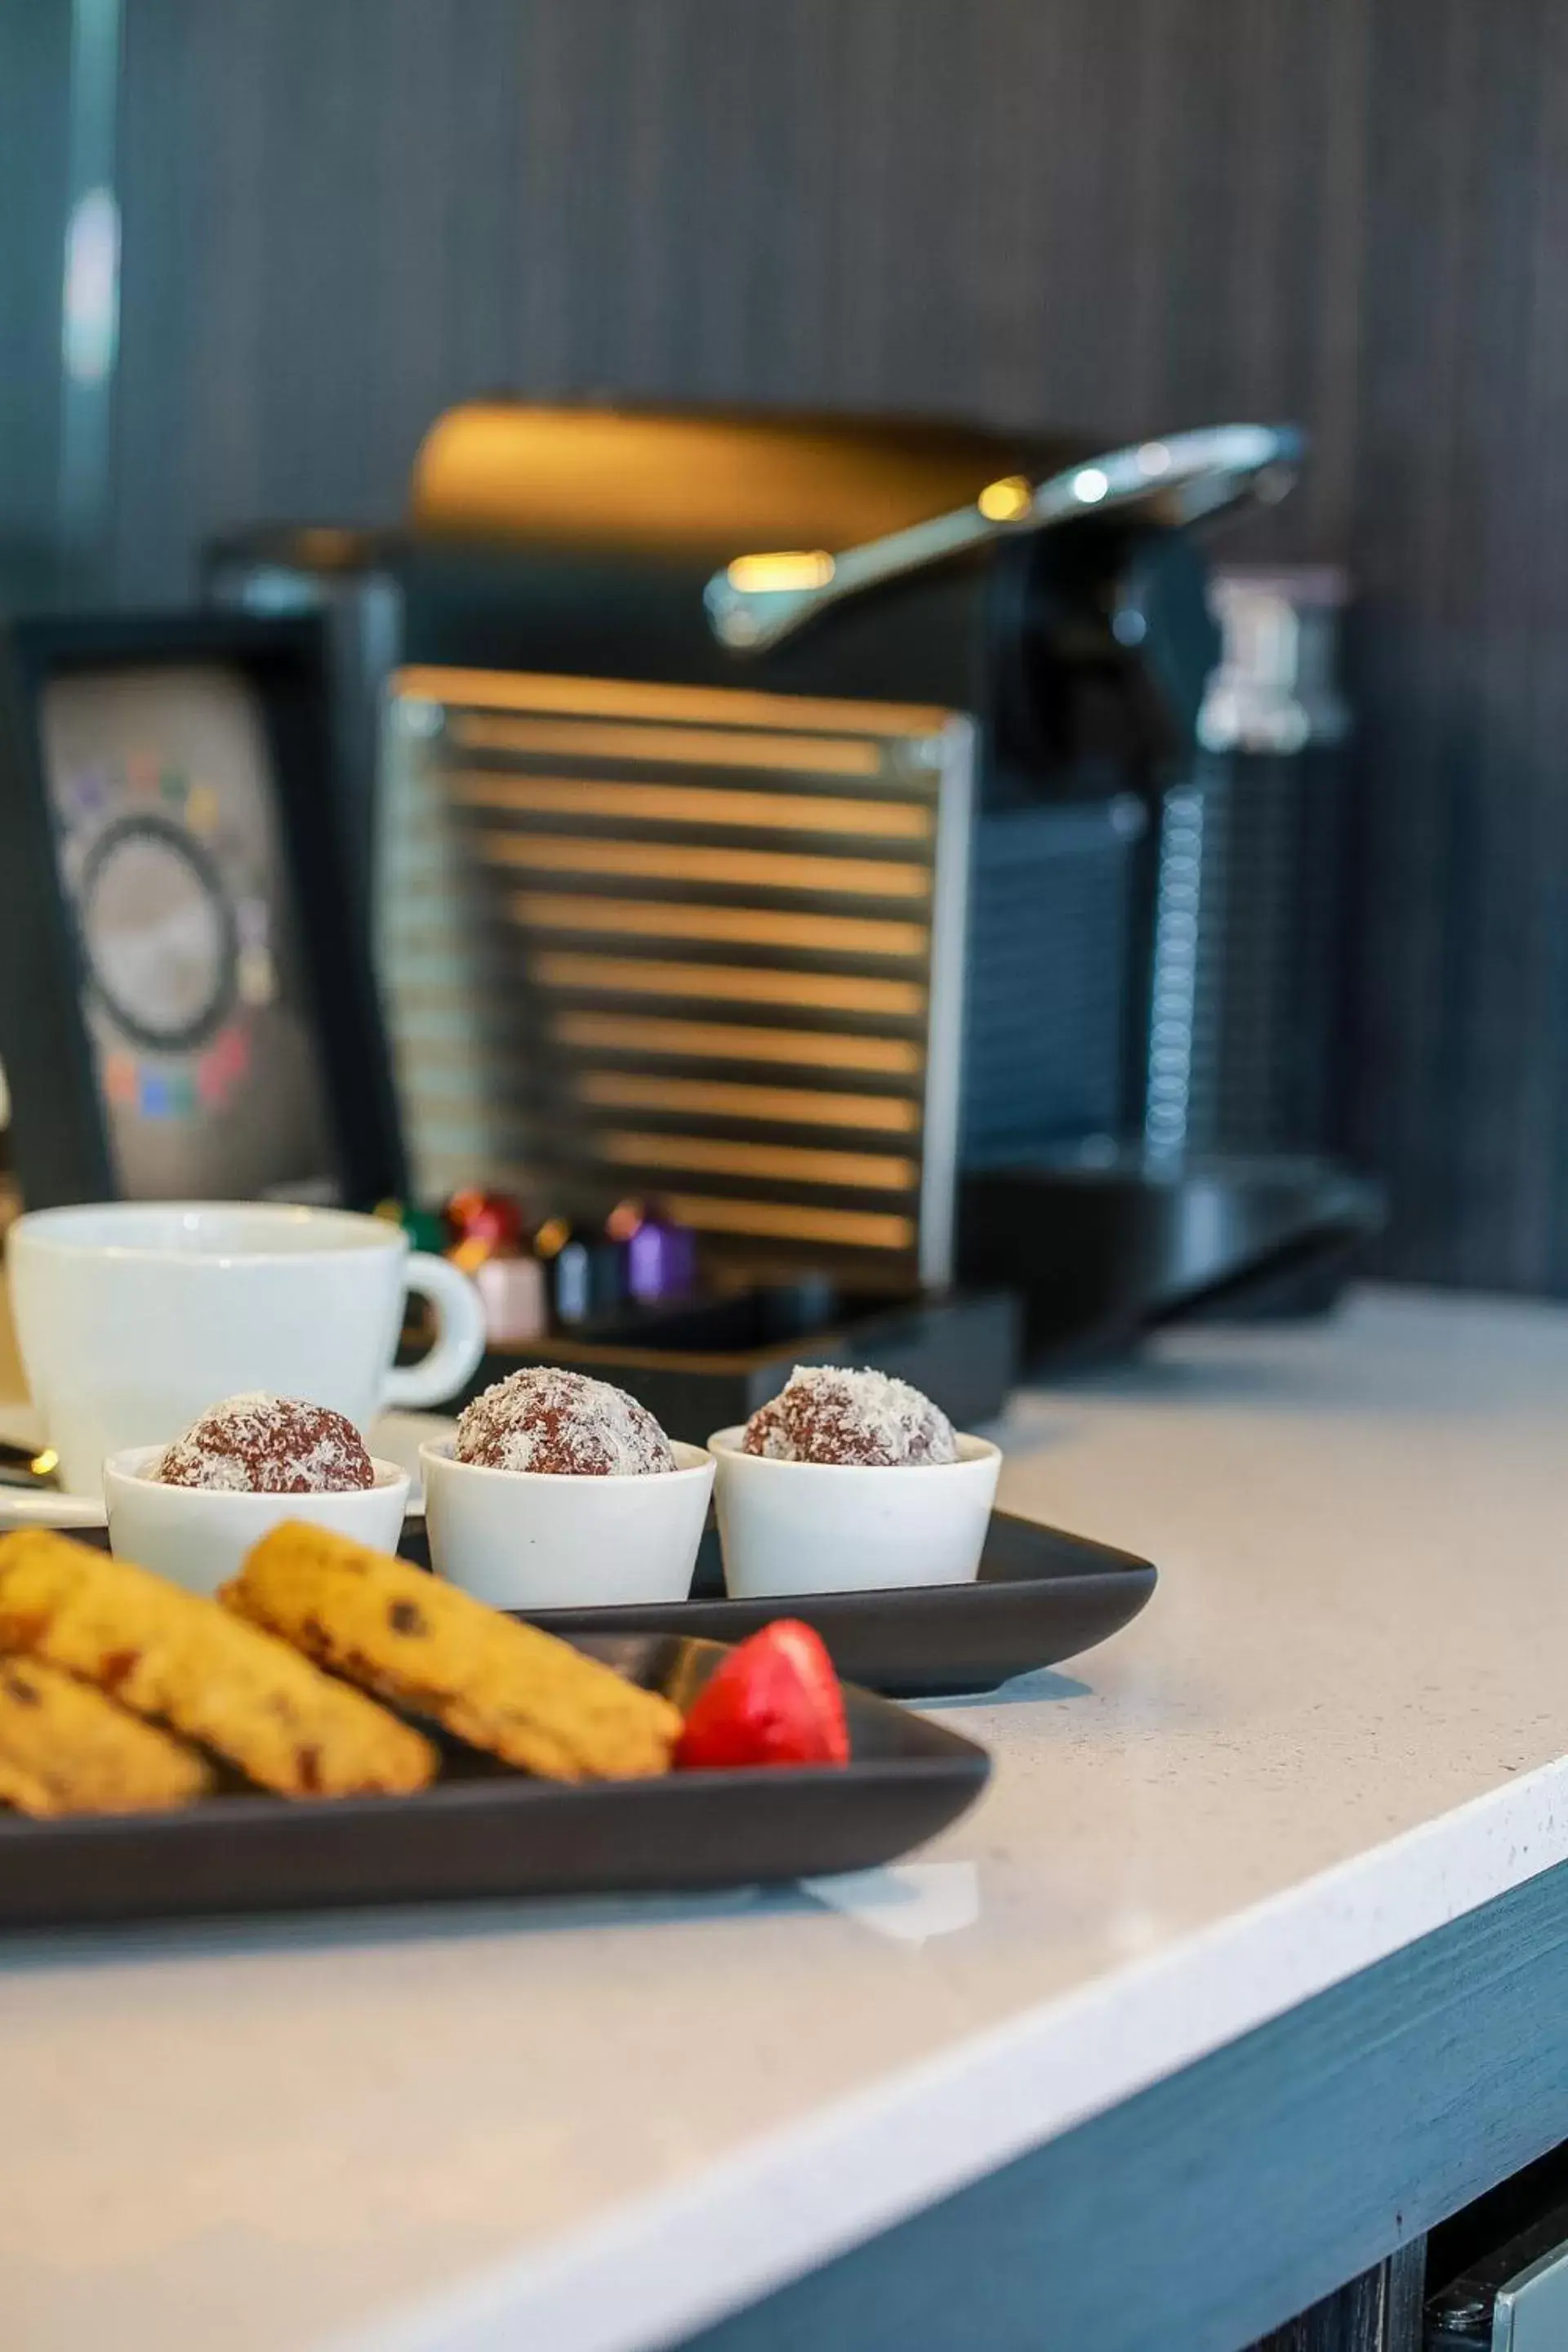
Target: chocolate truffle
{"x":563,"y":1423}
{"x":863,"y":1419}
{"x":268,"y":1445}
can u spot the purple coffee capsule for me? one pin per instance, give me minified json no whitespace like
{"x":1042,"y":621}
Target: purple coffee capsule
{"x":661,"y":1257}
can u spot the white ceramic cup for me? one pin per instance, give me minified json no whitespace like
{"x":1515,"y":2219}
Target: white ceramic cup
{"x":199,"y":1536}
{"x":541,"y":1540}
{"x":827,"y":1527}
{"x":133,"y":1319}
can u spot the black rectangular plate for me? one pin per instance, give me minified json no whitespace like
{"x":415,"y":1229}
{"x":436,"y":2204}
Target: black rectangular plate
{"x":482,"y":1830}
{"x":1041,"y":1596}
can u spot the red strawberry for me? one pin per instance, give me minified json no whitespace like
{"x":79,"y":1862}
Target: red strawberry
{"x":773,"y":1700}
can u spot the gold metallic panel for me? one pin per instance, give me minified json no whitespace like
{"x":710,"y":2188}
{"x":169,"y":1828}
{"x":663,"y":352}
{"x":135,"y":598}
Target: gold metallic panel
{"x":760,"y":883}
{"x":762,"y":927}
{"x":831,"y":991}
{"x":780,"y":1162}
{"x":619,"y":697}
{"x":632,"y":1033}
{"x":737,"y":869}
{"x":848,"y":1228}
{"x":650,"y":802}
{"x":703,"y":747}
{"x":712,"y":1098}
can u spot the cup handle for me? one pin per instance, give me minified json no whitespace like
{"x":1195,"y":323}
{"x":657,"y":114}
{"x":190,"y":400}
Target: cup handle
{"x":459,"y":1335}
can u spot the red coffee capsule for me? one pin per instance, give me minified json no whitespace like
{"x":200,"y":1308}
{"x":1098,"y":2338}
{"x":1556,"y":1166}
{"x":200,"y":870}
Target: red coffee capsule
{"x":491,"y":1217}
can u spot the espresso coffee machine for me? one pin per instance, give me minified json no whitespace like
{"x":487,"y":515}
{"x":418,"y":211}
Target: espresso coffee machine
{"x":824,"y":825}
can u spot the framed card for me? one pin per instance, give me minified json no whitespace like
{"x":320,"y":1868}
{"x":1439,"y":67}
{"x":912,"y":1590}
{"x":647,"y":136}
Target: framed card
{"x":186,"y":1005}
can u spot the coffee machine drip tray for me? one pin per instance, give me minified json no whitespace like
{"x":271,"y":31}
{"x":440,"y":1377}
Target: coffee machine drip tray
{"x":1107,"y":1247}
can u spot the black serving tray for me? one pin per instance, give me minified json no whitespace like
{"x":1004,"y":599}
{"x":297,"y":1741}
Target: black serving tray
{"x":1041,"y":1596}
{"x":482,"y":1830}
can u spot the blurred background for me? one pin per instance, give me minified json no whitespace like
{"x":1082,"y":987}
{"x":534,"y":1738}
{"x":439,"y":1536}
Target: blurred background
{"x":248,"y":252}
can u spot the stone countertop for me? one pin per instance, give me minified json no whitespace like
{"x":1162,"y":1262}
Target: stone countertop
{"x":594,"y":2126}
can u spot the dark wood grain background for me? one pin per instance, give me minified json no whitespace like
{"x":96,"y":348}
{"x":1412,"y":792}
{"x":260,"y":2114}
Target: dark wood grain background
{"x":1128,"y":214}
{"x":35,"y":70}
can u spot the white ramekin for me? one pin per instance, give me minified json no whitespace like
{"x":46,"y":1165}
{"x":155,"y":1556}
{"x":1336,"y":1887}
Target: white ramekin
{"x":541,"y":1539}
{"x":199,"y":1536}
{"x":820,"y":1526}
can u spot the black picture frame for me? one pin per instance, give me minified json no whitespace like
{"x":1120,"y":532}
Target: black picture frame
{"x":59,"y":1138}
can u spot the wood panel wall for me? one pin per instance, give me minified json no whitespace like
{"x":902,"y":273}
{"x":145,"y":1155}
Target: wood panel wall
{"x":35,"y":63}
{"x":1131,"y":215}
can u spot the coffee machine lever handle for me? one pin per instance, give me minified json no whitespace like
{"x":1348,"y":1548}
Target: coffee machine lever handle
{"x":757,"y":601}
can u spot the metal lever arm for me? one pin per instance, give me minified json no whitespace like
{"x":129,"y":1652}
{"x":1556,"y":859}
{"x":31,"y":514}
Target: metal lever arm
{"x":759,"y":600}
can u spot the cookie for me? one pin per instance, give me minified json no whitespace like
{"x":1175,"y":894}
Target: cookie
{"x":180,"y":1659}
{"x":66,"y":1748}
{"x":500,"y":1685}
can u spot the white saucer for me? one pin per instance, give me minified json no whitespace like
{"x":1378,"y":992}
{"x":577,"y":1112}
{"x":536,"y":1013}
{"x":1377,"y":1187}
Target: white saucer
{"x":393,"y":1437}
{"x":397,"y":1437}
